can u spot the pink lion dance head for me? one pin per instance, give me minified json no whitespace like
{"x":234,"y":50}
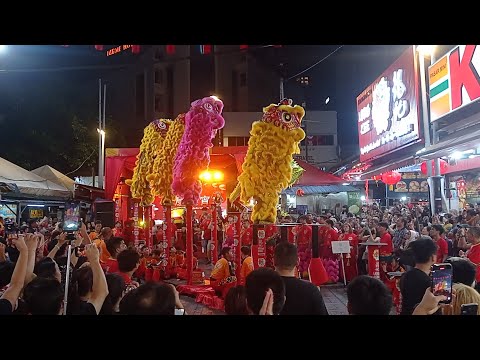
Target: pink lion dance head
{"x":201,"y":124}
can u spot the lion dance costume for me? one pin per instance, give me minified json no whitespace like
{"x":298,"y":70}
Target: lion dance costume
{"x":153,"y":138}
{"x":267,"y":169}
{"x":162,"y":176}
{"x":201,"y":124}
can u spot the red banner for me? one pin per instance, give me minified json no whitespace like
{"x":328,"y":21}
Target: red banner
{"x":388,"y":109}
{"x":237,"y":258}
{"x":374,"y":261}
{"x":136,"y":229}
{"x":262,"y":246}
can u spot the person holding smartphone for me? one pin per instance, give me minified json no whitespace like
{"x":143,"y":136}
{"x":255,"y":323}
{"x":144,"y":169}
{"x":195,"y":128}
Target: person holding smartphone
{"x":414,"y":282}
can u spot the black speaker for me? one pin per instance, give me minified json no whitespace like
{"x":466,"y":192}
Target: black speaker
{"x":105,"y":212}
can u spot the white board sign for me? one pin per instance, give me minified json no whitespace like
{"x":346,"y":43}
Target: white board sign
{"x":341,"y":247}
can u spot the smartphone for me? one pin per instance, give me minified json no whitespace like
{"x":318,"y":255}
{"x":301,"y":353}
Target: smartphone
{"x":469,"y":309}
{"x":441,"y":276}
{"x":71,"y":220}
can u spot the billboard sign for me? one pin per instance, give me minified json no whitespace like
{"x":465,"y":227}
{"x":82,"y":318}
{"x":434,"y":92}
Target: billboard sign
{"x":388,"y":109}
{"x":454,"y":80}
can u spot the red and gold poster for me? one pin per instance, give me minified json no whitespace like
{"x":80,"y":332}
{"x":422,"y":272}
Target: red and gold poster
{"x":374,"y":261}
{"x":136,"y":229}
{"x":236,"y":241}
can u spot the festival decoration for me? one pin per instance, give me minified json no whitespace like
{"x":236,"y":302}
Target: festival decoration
{"x":443,"y":167}
{"x":162,"y":175}
{"x":300,"y":192}
{"x":267,"y":167}
{"x":201,"y":124}
{"x":391,"y":178}
{"x":153,"y":136}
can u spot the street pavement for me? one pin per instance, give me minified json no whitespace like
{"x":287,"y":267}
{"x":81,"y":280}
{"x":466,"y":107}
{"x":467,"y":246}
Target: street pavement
{"x":334,"y":296}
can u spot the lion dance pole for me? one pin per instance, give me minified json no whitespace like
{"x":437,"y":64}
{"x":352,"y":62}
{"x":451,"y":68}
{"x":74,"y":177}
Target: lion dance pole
{"x":202,"y":122}
{"x":267,"y":169}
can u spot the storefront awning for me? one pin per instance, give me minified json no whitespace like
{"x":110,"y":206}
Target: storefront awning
{"x":323,"y":189}
{"x":467,"y":139}
{"x":390,"y":166}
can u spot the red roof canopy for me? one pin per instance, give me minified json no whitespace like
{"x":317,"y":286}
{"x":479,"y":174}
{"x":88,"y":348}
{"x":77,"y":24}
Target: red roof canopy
{"x":311,"y":176}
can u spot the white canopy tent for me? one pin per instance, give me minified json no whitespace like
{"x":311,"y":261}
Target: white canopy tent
{"x":49,"y":173}
{"x":29,"y":183}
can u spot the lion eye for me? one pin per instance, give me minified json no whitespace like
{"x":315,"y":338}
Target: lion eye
{"x":208,"y":107}
{"x":286,"y":117}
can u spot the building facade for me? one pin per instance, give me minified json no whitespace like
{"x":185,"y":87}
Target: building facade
{"x":320,"y":127}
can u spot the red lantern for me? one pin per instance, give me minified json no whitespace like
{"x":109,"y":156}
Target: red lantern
{"x":135,"y":49}
{"x":443,"y":167}
{"x":391,"y":178}
{"x":99,"y":47}
{"x":300,"y":192}
{"x":377,"y":177}
{"x":170,"y":49}
{"x":243,"y":47}
{"x":205,"y":49}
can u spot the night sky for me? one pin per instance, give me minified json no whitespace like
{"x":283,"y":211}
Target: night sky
{"x":341,"y":78}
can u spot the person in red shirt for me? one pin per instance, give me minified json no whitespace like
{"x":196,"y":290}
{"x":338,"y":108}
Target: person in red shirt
{"x":350,"y":260}
{"x":128,"y":262}
{"x":117,"y":230}
{"x":229,"y":232}
{"x":385,"y":238}
{"x":206,"y":226}
{"x":442,"y":246}
{"x":321,"y":234}
{"x":473,"y":254}
{"x":330,"y":234}
{"x":246,"y":233}
{"x":303,"y":239}
{"x":114,"y":246}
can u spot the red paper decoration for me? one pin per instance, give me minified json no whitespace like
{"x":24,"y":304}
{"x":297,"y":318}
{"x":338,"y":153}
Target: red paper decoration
{"x":443,"y":167}
{"x":205,"y":49}
{"x":99,"y":47}
{"x":391,"y":178}
{"x":377,"y":177}
{"x":170,"y":49}
{"x":300,"y":192}
{"x":135,"y":49}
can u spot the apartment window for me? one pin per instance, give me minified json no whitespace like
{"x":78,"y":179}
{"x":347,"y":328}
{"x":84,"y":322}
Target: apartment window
{"x":159,"y":103}
{"x":140,"y":95}
{"x":318,"y":140}
{"x":243,"y":79}
{"x":159,"y":76}
{"x":238,"y":140}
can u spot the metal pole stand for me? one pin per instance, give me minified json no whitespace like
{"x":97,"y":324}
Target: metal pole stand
{"x":189,"y":220}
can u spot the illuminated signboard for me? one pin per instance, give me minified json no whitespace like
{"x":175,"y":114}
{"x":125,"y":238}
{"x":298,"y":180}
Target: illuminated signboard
{"x":36,"y":213}
{"x":388,"y":109}
{"x":118,"y":49}
{"x":454,"y":80}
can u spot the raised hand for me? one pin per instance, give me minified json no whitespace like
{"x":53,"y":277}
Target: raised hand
{"x":267,"y":307}
{"x":31,"y":241}
{"x":19,"y":243}
{"x":62,"y":238}
{"x":92,"y":253}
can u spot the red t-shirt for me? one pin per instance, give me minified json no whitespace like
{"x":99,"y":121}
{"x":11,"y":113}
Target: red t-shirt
{"x":474,"y":256}
{"x":207,"y":233}
{"x":125,"y":277}
{"x":111,"y":265}
{"x":330,"y":235}
{"x":229,"y":231}
{"x":353,"y":240}
{"x":386,"y":250}
{"x":304,"y":234}
{"x":442,"y":249}
{"x":246,"y":236}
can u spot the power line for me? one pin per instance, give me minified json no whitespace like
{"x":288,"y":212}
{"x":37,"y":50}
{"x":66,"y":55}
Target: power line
{"x":318,"y":62}
{"x":84,"y":161}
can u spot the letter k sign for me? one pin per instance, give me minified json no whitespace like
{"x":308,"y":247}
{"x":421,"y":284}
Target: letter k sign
{"x":463,"y":73}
